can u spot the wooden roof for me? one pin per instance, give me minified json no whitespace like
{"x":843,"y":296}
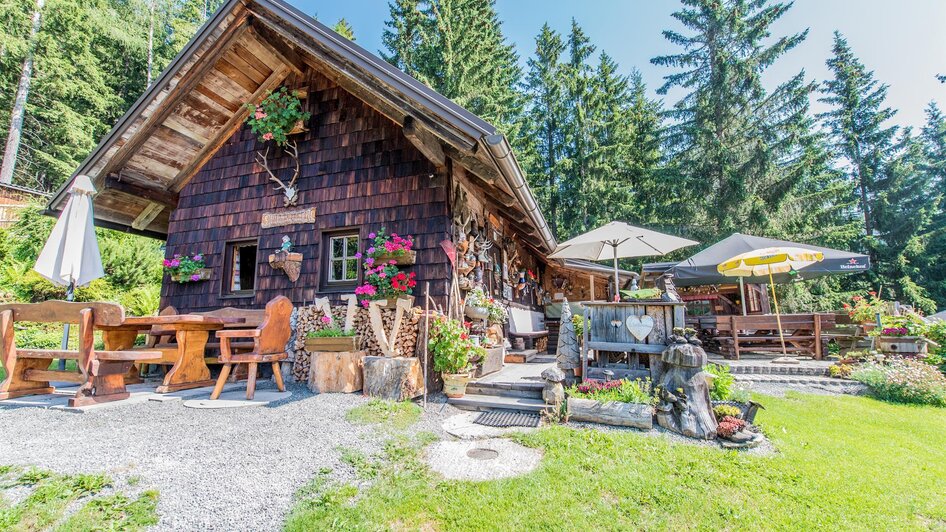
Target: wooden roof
{"x":246,"y":49}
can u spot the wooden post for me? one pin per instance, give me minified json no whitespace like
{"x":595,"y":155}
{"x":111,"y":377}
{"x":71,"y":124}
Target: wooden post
{"x":735,"y":336}
{"x":818,"y":346}
{"x":426,"y":335}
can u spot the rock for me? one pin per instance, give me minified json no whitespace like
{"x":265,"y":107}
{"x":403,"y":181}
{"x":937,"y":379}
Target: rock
{"x":553,"y":393}
{"x":786,"y":360}
{"x":553,"y":374}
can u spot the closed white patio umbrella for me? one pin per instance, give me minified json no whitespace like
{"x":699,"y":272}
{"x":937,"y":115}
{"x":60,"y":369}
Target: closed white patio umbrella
{"x":618,"y":240}
{"x":71,"y":255}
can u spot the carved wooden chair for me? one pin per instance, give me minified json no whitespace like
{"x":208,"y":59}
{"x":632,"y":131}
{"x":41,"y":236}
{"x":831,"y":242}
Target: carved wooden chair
{"x":269,"y":346}
{"x":101,"y":374}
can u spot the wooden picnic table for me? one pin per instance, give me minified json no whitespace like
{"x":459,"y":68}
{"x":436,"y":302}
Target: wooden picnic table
{"x":734,"y":335}
{"x":186,"y":357}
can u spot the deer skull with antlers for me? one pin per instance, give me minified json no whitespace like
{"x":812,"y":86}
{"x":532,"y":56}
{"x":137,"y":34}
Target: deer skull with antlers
{"x":289,"y":189}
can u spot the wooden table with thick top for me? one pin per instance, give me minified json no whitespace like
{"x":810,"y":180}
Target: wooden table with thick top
{"x":188,"y":368}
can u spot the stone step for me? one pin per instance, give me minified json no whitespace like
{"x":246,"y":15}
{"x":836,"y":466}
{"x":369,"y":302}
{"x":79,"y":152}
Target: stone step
{"x":775,"y":369}
{"x":493,"y":402}
{"x":528,"y":390}
{"x":794,"y":379}
{"x":542,"y":359}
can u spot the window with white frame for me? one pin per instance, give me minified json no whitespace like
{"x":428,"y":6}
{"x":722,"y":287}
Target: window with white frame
{"x":342,"y":263}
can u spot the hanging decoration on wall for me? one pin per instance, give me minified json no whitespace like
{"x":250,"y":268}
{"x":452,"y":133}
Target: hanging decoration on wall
{"x":274,"y":119}
{"x":287,"y":261}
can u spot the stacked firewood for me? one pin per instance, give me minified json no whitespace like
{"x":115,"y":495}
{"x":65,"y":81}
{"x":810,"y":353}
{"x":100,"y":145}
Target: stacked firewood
{"x":310,"y":319}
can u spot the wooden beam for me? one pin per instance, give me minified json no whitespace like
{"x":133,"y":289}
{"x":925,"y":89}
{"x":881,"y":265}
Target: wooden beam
{"x":274,"y":46}
{"x":154,"y":195}
{"x":227,"y":130}
{"x":425,"y":142}
{"x":147,"y":215}
{"x":188,"y":81}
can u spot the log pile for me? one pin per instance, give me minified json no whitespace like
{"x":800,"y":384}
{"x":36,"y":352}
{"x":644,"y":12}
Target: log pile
{"x":309,"y":319}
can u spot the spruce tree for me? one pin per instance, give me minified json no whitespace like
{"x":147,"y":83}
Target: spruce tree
{"x":730,"y":136}
{"x":343,"y":28}
{"x":406,"y":33}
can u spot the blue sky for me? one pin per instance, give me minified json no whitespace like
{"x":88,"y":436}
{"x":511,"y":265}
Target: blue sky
{"x":903,"y":41}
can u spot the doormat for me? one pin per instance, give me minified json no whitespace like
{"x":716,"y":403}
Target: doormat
{"x":507,"y":418}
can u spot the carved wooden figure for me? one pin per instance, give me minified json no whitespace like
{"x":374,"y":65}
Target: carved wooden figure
{"x":387,"y":340}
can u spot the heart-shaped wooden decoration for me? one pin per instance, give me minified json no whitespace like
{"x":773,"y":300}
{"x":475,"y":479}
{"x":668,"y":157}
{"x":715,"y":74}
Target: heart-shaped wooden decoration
{"x":640,"y":326}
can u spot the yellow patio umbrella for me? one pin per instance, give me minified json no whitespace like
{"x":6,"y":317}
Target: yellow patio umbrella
{"x":767,"y":261}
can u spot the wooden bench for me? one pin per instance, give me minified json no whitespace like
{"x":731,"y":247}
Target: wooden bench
{"x":269,"y":340}
{"x":100,"y":374}
{"x":528,"y":325}
{"x":738,"y":334}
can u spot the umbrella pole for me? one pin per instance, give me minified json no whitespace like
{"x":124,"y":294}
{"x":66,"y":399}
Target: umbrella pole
{"x":778,"y":317}
{"x":617,"y":283}
{"x":70,"y":296}
{"x":742,"y":295}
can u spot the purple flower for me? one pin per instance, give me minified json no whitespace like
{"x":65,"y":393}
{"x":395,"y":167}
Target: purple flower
{"x":371,"y":235}
{"x":175,"y":263}
{"x":358,"y":255}
{"x":195,"y":277}
{"x":198,"y":257}
{"x":369,"y":261}
{"x":371,"y":250}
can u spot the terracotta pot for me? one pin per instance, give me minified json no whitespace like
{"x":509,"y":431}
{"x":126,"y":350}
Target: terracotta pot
{"x":406,"y":259}
{"x":454,"y":384}
{"x":203,"y":273}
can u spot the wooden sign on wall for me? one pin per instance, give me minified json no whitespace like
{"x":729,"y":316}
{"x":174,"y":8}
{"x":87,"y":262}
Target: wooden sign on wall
{"x":283,"y":218}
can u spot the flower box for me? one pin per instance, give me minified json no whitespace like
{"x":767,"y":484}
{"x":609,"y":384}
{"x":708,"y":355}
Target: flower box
{"x":392,"y":302}
{"x":332,"y":344}
{"x":202,"y":274}
{"x":406,"y":259}
{"x":612,"y":413}
{"x":902,"y":345}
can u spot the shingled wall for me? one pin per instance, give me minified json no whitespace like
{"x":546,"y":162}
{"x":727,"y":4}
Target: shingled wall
{"x":358,"y":171}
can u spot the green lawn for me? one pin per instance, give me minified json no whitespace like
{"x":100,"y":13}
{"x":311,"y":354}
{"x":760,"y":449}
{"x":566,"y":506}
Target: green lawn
{"x":843,"y":463}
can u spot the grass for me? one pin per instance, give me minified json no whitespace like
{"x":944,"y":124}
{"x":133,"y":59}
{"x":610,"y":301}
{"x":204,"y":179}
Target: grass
{"x":843,"y":463}
{"x":390,"y":414}
{"x":51,"y":494}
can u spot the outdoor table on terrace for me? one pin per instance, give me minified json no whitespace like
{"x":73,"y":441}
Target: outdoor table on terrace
{"x":186,"y":357}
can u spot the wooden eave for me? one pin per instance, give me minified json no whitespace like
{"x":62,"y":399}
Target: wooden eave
{"x":246,"y":49}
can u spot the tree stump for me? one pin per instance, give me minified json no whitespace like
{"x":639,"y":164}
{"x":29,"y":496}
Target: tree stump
{"x":567,"y":355}
{"x":395,"y":379}
{"x":336,"y":372}
{"x":685,"y":405}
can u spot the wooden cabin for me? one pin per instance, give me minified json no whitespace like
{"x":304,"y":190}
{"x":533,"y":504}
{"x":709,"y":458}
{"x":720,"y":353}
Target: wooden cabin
{"x":13,"y":199}
{"x":380,"y":150}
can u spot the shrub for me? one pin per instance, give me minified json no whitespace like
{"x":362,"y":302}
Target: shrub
{"x":840,"y":371}
{"x":722,"y":411}
{"x":623,"y":391}
{"x":904,"y":380}
{"x":142,"y":301}
{"x":865,"y":309}
{"x":722,"y":384}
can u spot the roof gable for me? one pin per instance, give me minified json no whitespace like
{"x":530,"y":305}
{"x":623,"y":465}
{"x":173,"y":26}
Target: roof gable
{"x":245,"y":50}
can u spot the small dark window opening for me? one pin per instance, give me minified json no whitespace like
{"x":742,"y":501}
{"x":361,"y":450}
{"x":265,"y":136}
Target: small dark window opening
{"x":241,"y":268}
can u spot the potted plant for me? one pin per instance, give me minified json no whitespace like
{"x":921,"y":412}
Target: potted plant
{"x":452,"y":348}
{"x":624,"y":403}
{"x":723,"y":392}
{"x":385,"y":281}
{"x":864,"y":310}
{"x":476,"y":305}
{"x":386,"y":248}
{"x":274,"y":119}
{"x":331,"y":338}
{"x":901,"y":335}
{"x":187,"y":268}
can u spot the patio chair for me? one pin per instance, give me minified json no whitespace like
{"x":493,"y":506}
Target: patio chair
{"x":269,"y":346}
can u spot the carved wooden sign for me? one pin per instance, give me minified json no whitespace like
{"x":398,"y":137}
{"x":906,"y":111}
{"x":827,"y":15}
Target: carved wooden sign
{"x":283,"y":218}
{"x":352,"y":300}
{"x":387,"y":339}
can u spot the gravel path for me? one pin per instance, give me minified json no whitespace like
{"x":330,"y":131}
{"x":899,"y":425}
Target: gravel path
{"x":231,"y":469}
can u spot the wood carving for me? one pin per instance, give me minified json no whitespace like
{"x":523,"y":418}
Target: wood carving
{"x":325,"y":306}
{"x":289,"y":189}
{"x":387,"y":339}
{"x":350,"y":311}
{"x":290,"y":263}
{"x":279,"y":219}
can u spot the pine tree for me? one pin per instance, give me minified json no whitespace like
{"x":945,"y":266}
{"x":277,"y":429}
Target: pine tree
{"x":546,"y":115}
{"x":578,"y":79}
{"x":405,"y":37}
{"x":933,"y":269}
{"x":343,"y":28}
{"x":730,"y":137}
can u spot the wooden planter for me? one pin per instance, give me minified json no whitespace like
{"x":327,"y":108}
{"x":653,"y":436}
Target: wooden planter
{"x":902,"y":345}
{"x":336,"y":372}
{"x":492,"y":364}
{"x":611,"y":413}
{"x":392,"y":302}
{"x":334,"y":344}
{"x":289,"y":263}
{"x":204,"y":274}
{"x":406,"y":259}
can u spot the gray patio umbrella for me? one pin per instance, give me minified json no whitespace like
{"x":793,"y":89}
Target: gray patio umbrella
{"x":618,"y":240}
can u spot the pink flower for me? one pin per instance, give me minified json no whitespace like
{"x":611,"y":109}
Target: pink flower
{"x":326,"y":320}
{"x":382,"y":275}
{"x":175,"y":263}
{"x":371,"y":250}
{"x":364,"y":303}
{"x":260,"y":114}
{"x":369,"y":261}
{"x":267,"y":136}
{"x":167,"y":263}
{"x":392,"y":262}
